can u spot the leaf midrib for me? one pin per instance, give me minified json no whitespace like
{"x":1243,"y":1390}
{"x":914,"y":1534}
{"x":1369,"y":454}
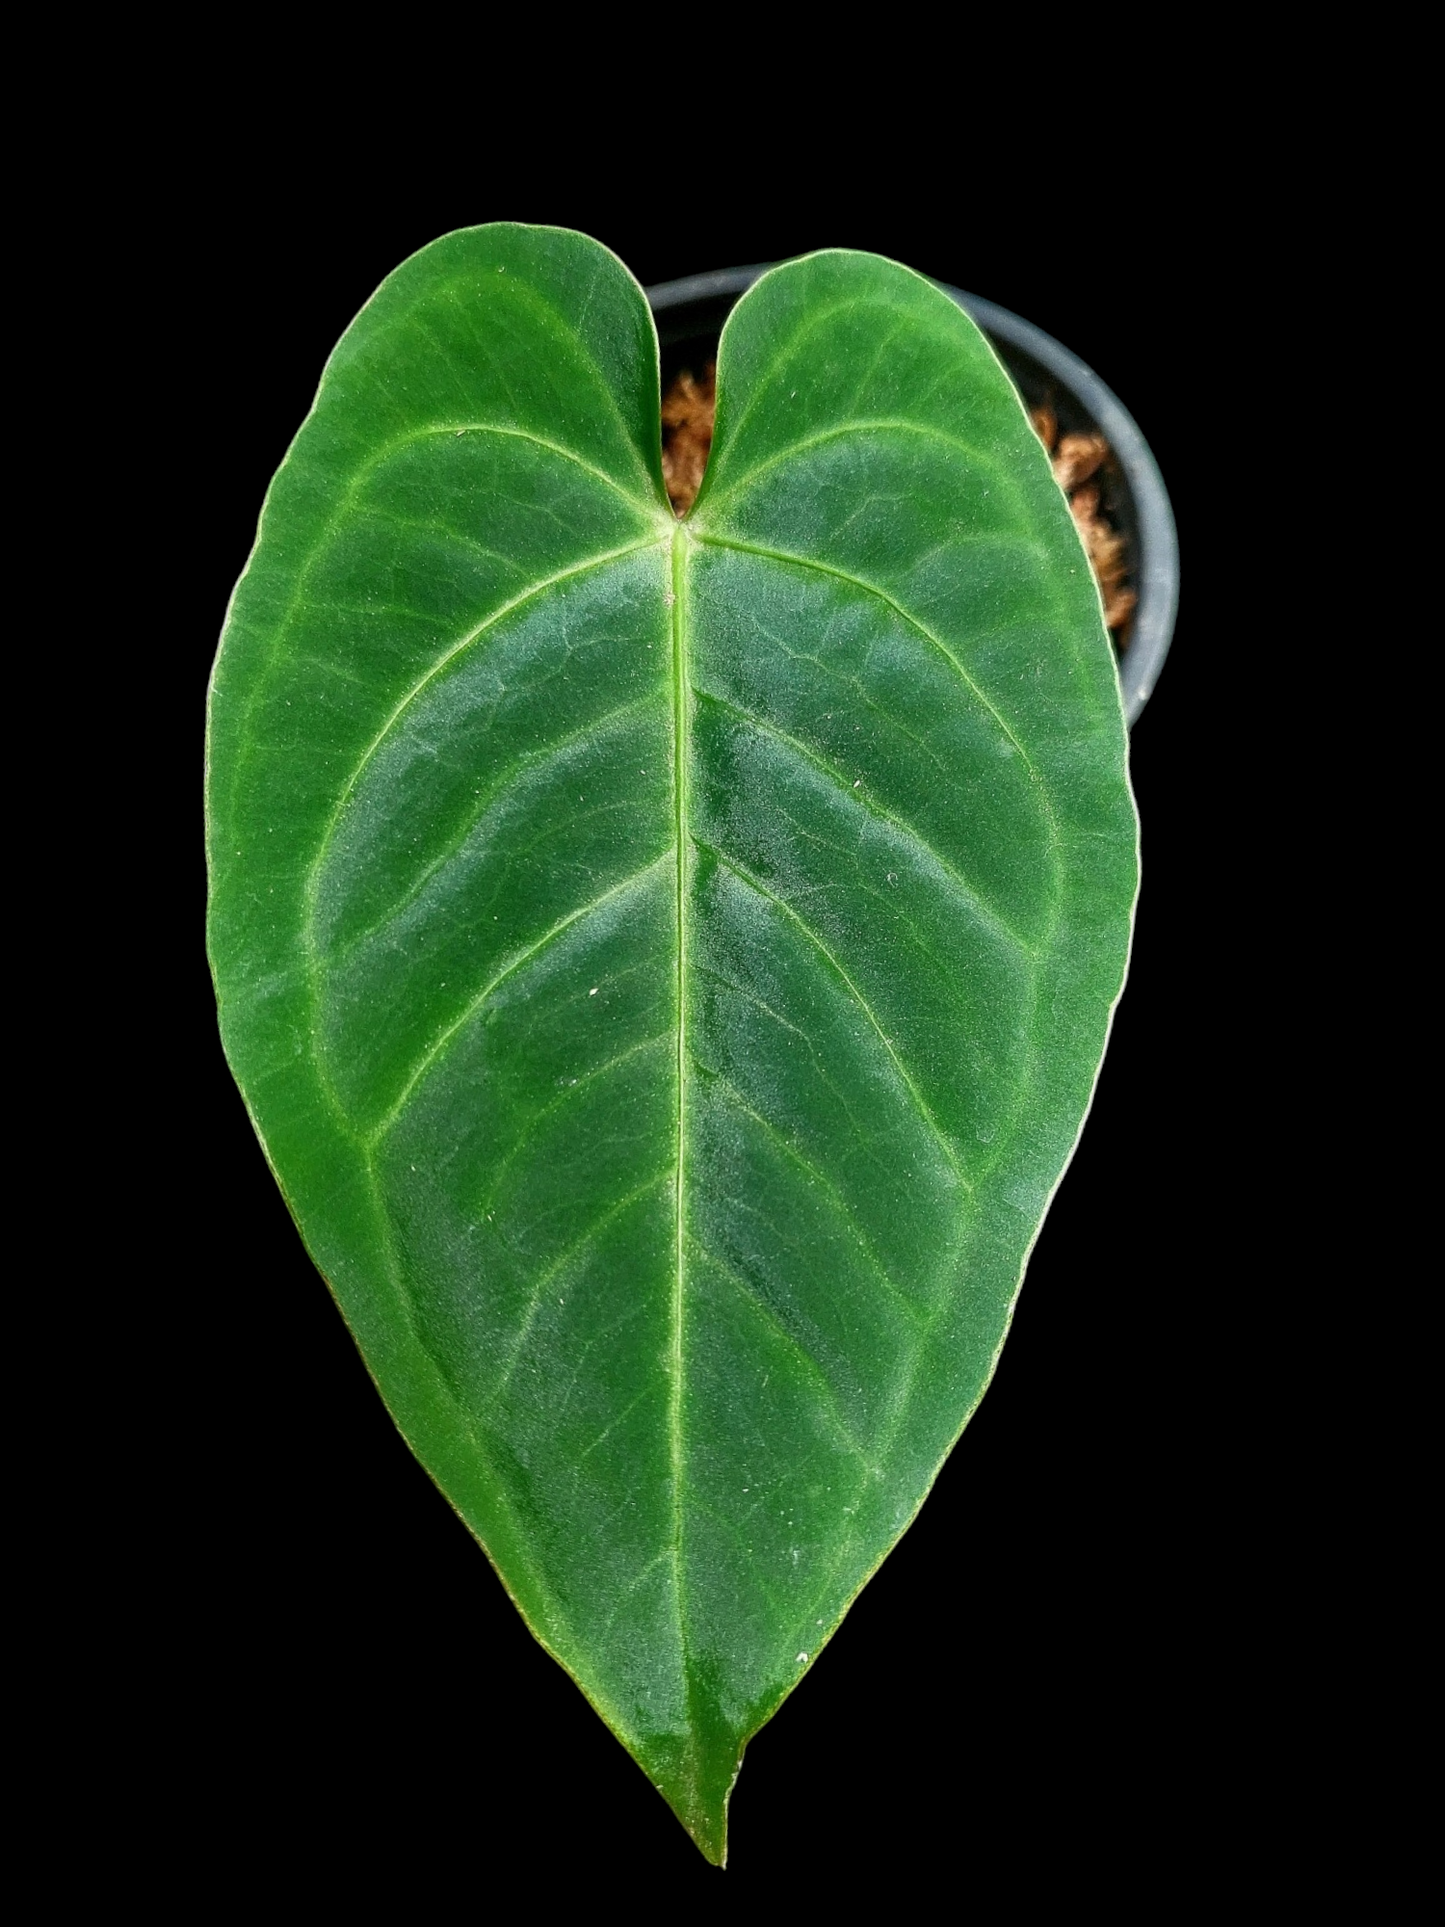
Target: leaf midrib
{"x":681,"y":697}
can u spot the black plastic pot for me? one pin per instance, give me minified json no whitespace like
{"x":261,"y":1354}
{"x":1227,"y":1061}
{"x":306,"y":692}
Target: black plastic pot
{"x":690,"y":314}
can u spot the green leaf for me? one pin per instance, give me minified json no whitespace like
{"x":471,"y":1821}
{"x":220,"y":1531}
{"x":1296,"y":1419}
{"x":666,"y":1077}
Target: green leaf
{"x":668,"y":963}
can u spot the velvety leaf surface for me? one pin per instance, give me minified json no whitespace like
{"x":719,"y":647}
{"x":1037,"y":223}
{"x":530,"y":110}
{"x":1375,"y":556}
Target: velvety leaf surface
{"x":668,"y":963}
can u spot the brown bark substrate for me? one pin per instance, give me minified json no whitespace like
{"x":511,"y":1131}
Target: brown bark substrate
{"x":688,"y":408}
{"x":1077,"y":460}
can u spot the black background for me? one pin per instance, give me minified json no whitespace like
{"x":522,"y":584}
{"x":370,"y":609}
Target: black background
{"x":333,"y":1666}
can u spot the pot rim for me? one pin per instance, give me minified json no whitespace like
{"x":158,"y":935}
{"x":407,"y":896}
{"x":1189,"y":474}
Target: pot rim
{"x":1157,"y":573}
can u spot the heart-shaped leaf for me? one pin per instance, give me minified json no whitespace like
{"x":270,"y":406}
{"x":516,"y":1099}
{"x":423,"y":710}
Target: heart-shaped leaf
{"x":668,"y":963}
